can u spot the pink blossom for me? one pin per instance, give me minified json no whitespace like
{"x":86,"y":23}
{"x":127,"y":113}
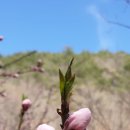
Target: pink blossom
{"x":37,"y":69}
{"x":45,"y":127}
{"x":26,"y":104}
{"x":79,"y":120}
{"x":15,"y":75}
{"x":1,"y":38}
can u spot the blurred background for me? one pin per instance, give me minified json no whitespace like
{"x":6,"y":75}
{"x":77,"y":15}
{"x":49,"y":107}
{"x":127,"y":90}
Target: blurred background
{"x":96,"y":33}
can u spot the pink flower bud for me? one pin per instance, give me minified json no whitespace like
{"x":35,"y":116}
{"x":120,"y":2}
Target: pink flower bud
{"x":45,"y":127}
{"x":37,"y":69}
{"x":1,"y":38}
{"x":39,"y":63}
{"x":16,"y":75}
{"x":79,"y":120}
{"x":26,"y":104}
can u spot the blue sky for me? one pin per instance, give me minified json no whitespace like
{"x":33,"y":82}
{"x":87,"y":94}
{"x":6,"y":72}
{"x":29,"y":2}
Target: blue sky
{"x":52,"y":25}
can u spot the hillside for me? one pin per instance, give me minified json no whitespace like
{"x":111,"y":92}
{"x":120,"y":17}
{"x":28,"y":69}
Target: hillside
{"x":102,"y":69}
{"x":102,"y":84}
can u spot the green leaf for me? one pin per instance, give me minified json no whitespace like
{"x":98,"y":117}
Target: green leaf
{"x":68,"y":87}
{"x":62,"y":81}
{"x":24,"y":97}
{"x":68,"y":73}
{"x":66,"y":83}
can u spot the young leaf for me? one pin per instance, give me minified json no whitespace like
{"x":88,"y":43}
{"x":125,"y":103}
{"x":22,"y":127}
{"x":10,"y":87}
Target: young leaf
{"x":68,"y":73}
{"x":24,"y":97}
{"x":62,"y":81}
{"x":68,"y":87}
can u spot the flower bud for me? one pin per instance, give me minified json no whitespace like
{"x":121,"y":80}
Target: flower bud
{"x":39,"y":63}
{"x":37,"y":69}
{"x":1,"y":38}
{"x":26,"y":104}
{"x":79,"y":120}
{"x":45,"y":127}
{"x":15,"y":75}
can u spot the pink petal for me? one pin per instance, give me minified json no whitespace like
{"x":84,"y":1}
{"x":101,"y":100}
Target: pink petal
{"x":45,"y":127}
{"x":79,"y":120}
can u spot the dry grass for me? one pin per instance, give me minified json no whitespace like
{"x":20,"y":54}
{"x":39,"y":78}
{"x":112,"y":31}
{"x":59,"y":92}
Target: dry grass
{"x":110,"y":109}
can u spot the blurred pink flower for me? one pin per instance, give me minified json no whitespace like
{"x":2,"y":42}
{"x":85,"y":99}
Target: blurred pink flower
{"x":37,"y":69}
{"x":26,"y":104}
{"x":45,"y":127}
{"x":79,"y":120}
{"x":15,"y":75}
{"x":1,"y":38}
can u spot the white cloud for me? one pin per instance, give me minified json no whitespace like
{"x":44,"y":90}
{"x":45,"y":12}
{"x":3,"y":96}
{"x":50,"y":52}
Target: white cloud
{"x":106,"y":42}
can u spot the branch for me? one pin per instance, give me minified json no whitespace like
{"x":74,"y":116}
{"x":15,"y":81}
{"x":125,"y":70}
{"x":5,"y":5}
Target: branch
{"x":17,"y":60}
{"x":119,"y":24}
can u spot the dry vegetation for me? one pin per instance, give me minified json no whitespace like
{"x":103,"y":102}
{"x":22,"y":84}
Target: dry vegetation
{"x":102,"y":84}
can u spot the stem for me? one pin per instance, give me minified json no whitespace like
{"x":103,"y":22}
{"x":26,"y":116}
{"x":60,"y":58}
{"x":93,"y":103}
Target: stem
{"x":64,"y":112}
{"x":21,"y":119}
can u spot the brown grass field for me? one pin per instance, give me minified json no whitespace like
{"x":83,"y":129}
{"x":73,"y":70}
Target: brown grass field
{"x":102,"y":85}
{"x":110,"y":109}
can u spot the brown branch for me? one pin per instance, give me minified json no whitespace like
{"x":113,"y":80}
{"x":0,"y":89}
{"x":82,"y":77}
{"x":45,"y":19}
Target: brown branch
{"x":17,"y":60}
{"x":119,"y":24}
{"x":115,"y":22}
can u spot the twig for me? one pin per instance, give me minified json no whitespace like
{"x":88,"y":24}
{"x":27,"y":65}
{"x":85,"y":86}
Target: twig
{"x":119,"y":24}
{"x":21,"y":119}
{"x":17,"y":60}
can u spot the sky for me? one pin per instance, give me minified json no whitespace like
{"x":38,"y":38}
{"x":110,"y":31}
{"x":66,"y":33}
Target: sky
{"x":53,"y":25}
